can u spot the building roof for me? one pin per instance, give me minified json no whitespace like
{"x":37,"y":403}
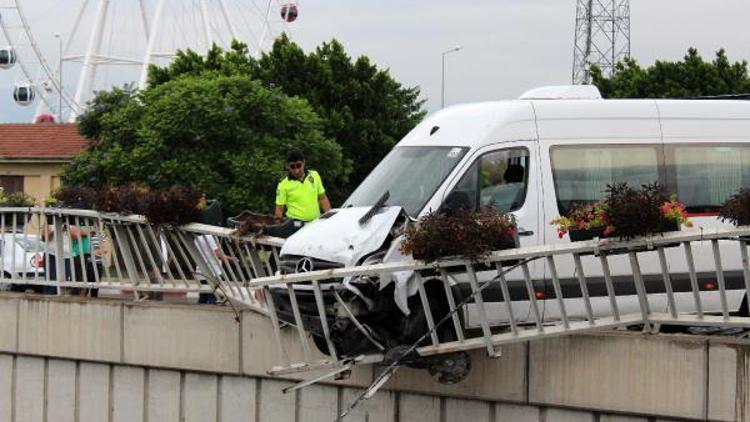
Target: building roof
{"x":40,"y":141}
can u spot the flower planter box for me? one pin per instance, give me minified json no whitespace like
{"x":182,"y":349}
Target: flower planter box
{"x":581,"y":235}
{"x":502,"y":244}
{"x":211,"y":214}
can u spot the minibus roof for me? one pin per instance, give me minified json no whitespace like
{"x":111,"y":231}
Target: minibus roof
{"x":478,"y":124}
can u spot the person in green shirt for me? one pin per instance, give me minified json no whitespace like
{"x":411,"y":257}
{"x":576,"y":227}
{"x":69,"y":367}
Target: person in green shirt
{"x":300,"y":195}
{"x":83,"y":261}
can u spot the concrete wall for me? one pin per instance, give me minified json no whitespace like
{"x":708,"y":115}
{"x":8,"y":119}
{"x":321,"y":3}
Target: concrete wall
{"x":40,"y":178}
{"x":36,"y":389}
{"x":155,"y":361}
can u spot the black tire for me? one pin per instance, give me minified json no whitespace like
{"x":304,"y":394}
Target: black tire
{"x":416,"y":324}
{"x":451,"y":369}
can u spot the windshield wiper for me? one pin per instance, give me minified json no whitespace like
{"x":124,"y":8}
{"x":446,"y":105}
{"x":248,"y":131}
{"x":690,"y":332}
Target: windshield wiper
{"x":372,"y":211}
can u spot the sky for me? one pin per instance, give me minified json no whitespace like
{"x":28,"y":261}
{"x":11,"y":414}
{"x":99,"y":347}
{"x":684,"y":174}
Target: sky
{"x":508,"y":46}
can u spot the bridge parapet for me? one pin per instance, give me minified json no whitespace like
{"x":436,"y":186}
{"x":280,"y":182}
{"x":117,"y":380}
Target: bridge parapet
{"x":622,"y":372}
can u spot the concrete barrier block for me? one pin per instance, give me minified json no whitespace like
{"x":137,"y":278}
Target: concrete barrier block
{"x":380,"y":408}
{"x":505,"y":412}
{"x":70,"y":328}
{"x":29,"y":405}
{"x":163,"y":395}
{"x":8,"y":324}
{"x":419,"y":408}
{"x":565,"y":415}
{"x":625,"y":372}
{"x":6,"y":387}
{"x":184,"y":337}
{"x":503,"y":378}
{"x":237,"y":399}
{"x":261,"y":352}
{"x":127,"y":394}
{"x":201,"y":398}
{"x":318,"y":403}
{"x":722,"y":382}
{"x":93,"y":396}
{"x":273,"y":404}
{"x":467,"y":410}
{"x":61,"y":390}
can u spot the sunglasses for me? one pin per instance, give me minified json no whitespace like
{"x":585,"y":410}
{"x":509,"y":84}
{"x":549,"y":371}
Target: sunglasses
{"x":295,"y":166}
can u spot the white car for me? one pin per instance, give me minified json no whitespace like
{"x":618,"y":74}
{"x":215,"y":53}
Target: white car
{"x":21,"y":254}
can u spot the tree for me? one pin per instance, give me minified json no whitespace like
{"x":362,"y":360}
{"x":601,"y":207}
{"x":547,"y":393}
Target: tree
{"x":226,"y":135}
{"x":362,"y":107}
{"x":691,"y":77}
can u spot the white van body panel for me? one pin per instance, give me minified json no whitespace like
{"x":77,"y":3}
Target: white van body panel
{"x":543,"y":125}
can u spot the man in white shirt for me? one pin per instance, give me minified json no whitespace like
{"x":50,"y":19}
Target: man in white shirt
{"x":211,"y":253}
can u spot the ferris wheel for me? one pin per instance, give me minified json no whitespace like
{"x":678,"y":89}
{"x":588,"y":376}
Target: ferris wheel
{"x":110,"y":43}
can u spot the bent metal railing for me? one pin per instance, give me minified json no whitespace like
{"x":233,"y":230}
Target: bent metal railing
{"x":128,"y":256}
{"x":131,"y":257}
{"x":539,"y":325}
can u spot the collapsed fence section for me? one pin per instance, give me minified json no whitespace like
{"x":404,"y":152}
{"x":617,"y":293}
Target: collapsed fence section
{"x":553,"y":313}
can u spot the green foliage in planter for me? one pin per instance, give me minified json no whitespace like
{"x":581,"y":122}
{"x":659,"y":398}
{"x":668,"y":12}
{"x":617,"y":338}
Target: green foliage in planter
{"x":17,"y":199}
{"x":626,"y":212}
{"x":462,"y":233}
{"x":132,"y":198}
{"x":177,"y":205}
{"x":736,"y":209}
{"x":636,"y":212}
{"x":80,"y":197}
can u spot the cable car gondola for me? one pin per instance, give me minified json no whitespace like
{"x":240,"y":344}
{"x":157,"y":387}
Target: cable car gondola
{"x":24,"y":94}
{"x":7,"y":57}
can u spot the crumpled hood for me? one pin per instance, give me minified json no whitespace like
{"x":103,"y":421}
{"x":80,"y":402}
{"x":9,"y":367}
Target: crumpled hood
{"x":340,"y":238}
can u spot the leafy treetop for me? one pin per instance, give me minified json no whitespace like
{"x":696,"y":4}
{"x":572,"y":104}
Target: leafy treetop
{"x":362,"y":107}
{"x":223,"y":122}
{"x":691,"y":77}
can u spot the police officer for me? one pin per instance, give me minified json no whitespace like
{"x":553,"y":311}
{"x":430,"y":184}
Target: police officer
{"x":300,"y":195}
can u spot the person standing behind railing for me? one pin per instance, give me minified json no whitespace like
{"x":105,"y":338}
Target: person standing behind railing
{"x":212,"y":254}
{"x":80,"y":248}
{"x":51,"y":256}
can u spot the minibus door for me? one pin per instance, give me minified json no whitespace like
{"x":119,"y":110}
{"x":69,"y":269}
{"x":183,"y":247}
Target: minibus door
{"x":505,"y":177}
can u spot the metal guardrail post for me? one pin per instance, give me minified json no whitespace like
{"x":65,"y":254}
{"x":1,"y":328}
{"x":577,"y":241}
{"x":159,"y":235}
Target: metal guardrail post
{"x":532,"y":297}
{"x":451,"y":304}
{"x":57,"y":226}
{"x":426,"y":307}
{"x":745,"y":268}
{"x":693,"y":279}
{"x":667,"y":282}
{"x":558,"y":290}
{"x":324,"y":320}
{"x":640,"y":288}
{"x":610,"y":286}
{"x":584,"y":288}
{"x":720,"y":279}
{"x":477,"y":294}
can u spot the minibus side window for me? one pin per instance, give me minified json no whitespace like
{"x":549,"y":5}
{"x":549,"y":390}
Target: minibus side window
{"x":497,"y":179}
{"x":704,"y":176}
{"x":581,"y":173}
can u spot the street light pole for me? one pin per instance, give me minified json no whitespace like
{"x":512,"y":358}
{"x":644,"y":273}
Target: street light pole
{"x":442,"y":75}
{"x":59,"y":79}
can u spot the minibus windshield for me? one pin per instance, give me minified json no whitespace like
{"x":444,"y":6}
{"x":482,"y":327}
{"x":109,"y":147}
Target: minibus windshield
{"x":411,"y":175}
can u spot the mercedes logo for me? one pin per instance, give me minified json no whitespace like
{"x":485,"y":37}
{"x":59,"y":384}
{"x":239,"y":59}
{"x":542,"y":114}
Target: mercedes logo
{"x":304,"y":265}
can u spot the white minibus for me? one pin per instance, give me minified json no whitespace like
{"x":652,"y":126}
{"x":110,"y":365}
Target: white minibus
{"x":535,"y":157}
